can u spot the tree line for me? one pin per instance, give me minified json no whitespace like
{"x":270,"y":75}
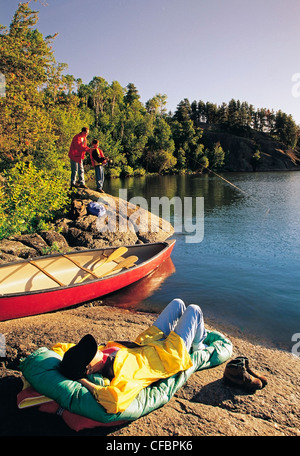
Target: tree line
{"x":240,"y":116}
{"x":42,"y":108}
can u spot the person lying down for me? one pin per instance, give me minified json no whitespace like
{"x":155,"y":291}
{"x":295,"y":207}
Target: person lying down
{"x":157,"y":353}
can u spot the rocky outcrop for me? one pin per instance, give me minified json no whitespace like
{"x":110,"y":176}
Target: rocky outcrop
{"x":204,"y":406}
{"x":123,"y":223}
{"x":239,"y":150}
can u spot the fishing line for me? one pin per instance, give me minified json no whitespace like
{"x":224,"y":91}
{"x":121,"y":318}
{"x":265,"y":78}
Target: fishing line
{"x":230,"y":183}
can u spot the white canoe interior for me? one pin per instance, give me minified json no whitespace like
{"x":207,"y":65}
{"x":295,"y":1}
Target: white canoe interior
{"x":61,"y":270}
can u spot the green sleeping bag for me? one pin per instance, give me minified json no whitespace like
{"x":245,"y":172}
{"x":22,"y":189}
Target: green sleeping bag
{"x":41,"y":370}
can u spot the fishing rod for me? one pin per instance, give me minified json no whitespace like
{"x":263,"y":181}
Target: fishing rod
{"x":230,"y":183}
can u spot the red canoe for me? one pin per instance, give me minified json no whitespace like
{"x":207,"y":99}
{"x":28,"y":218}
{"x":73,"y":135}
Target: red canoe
{"x":55,"y":282}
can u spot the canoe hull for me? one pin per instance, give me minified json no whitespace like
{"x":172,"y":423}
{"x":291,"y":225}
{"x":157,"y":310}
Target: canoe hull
{"x":43,"y":301}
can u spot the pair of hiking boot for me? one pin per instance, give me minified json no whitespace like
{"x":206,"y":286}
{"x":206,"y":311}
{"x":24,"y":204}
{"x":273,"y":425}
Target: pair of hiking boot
{"x":238,"y":373}
{"x":78,"y":186}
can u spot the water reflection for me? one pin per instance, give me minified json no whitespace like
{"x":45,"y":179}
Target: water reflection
{"x":246,"y":269}
{"x":215,"y":191}
{"x":132,"y":296}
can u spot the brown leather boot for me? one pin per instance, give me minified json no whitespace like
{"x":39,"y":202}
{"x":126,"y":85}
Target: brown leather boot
{"x":236,"y":374}
{"x":253,"y":372}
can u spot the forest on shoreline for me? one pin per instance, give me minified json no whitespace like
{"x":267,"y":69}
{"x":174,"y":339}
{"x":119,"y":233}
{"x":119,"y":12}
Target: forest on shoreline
{"x":42,"y":108}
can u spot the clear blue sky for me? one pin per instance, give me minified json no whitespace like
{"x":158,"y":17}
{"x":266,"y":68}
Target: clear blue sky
{"x":210,"y":50}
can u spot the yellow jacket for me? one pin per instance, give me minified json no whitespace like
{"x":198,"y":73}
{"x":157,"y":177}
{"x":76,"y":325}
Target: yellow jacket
{"x":136,"y":368}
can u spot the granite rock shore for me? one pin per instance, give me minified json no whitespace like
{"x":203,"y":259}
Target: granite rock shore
{"x":205,"y":406}
{"x":123,"y":223}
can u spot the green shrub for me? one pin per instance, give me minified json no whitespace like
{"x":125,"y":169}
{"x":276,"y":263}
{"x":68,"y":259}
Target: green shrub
{"x":127,"y":171}
{"x":139,"y":172}
{"x":113,"y":172}
{"x":29,"y":199}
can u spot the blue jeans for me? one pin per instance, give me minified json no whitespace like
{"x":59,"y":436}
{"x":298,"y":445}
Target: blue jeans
{"x":77,"y":168}
{"x":187,"y":322}
{"x":99,"y":174}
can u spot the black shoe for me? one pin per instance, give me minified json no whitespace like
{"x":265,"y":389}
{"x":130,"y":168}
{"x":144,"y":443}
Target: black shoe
{"x":100,"y":190}
{"x":82,"y":186}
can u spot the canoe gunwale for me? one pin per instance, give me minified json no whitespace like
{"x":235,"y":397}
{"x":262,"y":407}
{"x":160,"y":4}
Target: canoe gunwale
{"x":166,"y":245}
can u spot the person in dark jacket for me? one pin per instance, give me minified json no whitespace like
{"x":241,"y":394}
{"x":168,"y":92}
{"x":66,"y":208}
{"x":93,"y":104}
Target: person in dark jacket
{"x":98,"y":161}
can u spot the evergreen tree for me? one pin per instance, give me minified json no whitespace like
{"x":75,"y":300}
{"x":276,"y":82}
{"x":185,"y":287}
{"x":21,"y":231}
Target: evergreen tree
{"x":286,"y":129}
{"x":131,"y":94}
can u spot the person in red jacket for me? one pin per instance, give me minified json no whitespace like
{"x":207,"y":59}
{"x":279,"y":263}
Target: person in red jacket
{"x":98,"y":161}
{"x":76,"y":154}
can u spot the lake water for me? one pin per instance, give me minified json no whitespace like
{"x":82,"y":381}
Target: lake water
{"x":246,"y":270}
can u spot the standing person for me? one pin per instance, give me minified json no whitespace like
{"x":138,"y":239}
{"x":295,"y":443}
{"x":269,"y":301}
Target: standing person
{"x":98,"y":161}
{"x":76,"y":154}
